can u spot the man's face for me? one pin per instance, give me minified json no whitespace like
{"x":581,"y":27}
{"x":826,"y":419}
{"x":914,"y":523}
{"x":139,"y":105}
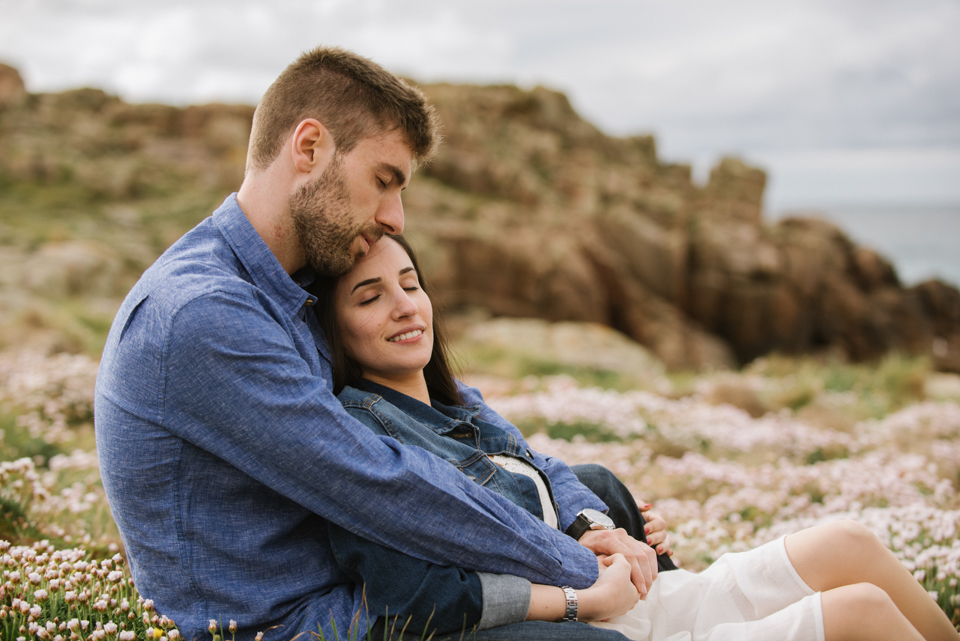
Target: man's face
{"x":356,"y":199}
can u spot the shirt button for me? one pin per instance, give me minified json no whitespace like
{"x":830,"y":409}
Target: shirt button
{"x":309,"y":302}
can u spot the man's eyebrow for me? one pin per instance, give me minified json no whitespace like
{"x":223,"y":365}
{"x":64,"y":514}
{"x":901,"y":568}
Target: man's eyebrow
{"x":369,"y":281}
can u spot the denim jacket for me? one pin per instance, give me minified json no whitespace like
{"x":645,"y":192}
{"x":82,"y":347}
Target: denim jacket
{"x":455,"y":434}
{"x":224,"y":454}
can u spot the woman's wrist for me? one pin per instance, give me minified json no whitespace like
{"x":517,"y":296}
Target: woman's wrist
{"x":592,"y":604}
{"x":598,"y":602}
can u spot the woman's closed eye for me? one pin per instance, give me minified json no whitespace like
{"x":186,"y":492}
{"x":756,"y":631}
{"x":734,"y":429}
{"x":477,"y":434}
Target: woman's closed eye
{"x":367,"y":301}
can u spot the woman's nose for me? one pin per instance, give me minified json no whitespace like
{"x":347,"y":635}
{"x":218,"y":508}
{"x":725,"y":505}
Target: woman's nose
{"x":405,"y":305}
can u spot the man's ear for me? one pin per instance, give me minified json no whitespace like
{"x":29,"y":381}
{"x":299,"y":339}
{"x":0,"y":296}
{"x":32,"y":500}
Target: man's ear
{"x":313,"y":146}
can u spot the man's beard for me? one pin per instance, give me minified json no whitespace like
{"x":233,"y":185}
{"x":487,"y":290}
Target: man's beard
{"x":324,"y":224}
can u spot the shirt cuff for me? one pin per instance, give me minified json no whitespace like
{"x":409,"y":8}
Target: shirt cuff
{"x":506,"y":599}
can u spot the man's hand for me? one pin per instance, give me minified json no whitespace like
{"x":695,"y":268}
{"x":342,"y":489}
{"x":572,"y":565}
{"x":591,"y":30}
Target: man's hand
{"x":656,"y":530}
{"x":640,"y":556}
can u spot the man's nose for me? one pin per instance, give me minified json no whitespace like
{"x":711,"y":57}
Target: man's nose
{"x":390,"y":215}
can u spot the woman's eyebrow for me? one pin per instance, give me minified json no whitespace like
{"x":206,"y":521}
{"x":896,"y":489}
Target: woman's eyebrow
{"x":406,"y":270}
{"x":369,"y":281}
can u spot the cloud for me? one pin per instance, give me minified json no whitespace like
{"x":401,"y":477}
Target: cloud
{"x":749,"y":77}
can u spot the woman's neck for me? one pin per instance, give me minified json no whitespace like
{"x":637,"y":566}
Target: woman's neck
{"x":414,"y":386}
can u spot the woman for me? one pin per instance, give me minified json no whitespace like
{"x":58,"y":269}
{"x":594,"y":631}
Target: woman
{"x":831,"y":582}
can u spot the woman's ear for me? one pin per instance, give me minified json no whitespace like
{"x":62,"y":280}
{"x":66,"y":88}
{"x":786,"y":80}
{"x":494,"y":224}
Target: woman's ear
{"x":313,"y":146}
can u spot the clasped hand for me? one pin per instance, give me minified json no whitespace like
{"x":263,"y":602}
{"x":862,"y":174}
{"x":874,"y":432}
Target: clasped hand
{"x":641,"y":557}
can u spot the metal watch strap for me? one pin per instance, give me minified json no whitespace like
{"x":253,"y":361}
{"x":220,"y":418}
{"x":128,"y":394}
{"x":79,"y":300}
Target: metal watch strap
{"x":571,"y":612}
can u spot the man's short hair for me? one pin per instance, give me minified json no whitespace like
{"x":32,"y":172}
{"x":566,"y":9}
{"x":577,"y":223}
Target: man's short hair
{"x":352,"y":96}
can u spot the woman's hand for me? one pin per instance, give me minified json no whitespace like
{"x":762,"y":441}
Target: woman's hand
{"x":656,"y":530}
{"x":612,"y":595}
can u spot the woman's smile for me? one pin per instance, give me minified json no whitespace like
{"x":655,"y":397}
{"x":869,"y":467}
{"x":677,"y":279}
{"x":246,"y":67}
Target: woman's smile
{"x":406,"y":336}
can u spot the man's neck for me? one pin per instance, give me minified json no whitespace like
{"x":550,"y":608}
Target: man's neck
{"x":264,"y":202}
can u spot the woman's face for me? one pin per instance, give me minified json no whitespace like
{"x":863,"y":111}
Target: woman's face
{"x":385,"y":318}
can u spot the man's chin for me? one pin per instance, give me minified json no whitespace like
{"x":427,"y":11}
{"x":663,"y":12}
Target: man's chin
{"x":334,"y":269}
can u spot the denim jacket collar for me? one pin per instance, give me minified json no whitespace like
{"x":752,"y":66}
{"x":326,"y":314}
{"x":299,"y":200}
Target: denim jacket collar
{"x":261,"y":264}
{"x":441,"y":418}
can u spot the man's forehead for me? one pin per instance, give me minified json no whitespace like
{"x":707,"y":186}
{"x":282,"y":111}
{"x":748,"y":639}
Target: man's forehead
{"x":389,"y":149}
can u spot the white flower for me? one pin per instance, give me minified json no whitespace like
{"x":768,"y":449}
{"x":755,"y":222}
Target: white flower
{"x":127,"y":635}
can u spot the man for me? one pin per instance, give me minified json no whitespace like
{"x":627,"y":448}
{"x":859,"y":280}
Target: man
{"x":222,"y":449}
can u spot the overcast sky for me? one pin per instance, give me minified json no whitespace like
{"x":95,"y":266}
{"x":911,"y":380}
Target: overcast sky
{"x":842,"y":101}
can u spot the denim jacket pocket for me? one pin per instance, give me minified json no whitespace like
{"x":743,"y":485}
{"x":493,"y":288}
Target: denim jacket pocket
{"x":478,"y":468}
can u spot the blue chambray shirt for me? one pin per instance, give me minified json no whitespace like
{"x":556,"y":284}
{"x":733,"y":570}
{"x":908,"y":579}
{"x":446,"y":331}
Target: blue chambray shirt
{"x":223,"y":454}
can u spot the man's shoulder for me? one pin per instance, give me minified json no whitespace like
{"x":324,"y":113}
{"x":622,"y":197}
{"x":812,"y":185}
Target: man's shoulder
{"x":201,"y":263}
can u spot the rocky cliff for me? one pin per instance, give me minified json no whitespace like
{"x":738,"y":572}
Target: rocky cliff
{"x":528,"y":211}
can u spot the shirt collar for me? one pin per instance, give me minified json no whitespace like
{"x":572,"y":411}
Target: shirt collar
{"x":264,"y":268}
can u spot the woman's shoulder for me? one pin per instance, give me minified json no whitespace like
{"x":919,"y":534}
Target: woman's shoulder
{"x":358,"y":402}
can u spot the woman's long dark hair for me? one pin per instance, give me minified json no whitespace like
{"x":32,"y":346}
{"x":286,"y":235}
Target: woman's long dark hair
{"x":441,"y":384}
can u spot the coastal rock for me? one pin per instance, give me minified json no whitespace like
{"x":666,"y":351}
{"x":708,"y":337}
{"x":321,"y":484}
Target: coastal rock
{"x":588,"y":345}
{"x":12,"y":89}
{"x":527,"y":211}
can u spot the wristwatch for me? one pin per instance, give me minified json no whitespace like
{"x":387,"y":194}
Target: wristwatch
{"x":571,"y":612}
{"x":589,"y":519}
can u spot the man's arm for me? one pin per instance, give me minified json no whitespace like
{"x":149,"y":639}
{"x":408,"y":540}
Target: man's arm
{"x":235,"y":385}
{"x":426,"y":597}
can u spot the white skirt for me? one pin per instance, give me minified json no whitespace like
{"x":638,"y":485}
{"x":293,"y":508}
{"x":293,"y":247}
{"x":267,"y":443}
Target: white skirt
{"x":747,"y":596}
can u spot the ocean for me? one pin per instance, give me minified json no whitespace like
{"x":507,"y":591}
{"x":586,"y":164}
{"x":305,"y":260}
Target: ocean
{"x":922,"y":242}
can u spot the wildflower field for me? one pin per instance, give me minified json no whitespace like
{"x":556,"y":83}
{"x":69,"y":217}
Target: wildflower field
{"x":730,"y":460}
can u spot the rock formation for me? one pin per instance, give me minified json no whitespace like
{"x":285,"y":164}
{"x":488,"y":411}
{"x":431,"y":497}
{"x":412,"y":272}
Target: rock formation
{"x":531,"y":211}
{"x":12,"y":89}
{"x":528,"y":211}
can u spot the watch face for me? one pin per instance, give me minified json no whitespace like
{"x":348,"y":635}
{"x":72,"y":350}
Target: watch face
{"x":599,"y":518}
